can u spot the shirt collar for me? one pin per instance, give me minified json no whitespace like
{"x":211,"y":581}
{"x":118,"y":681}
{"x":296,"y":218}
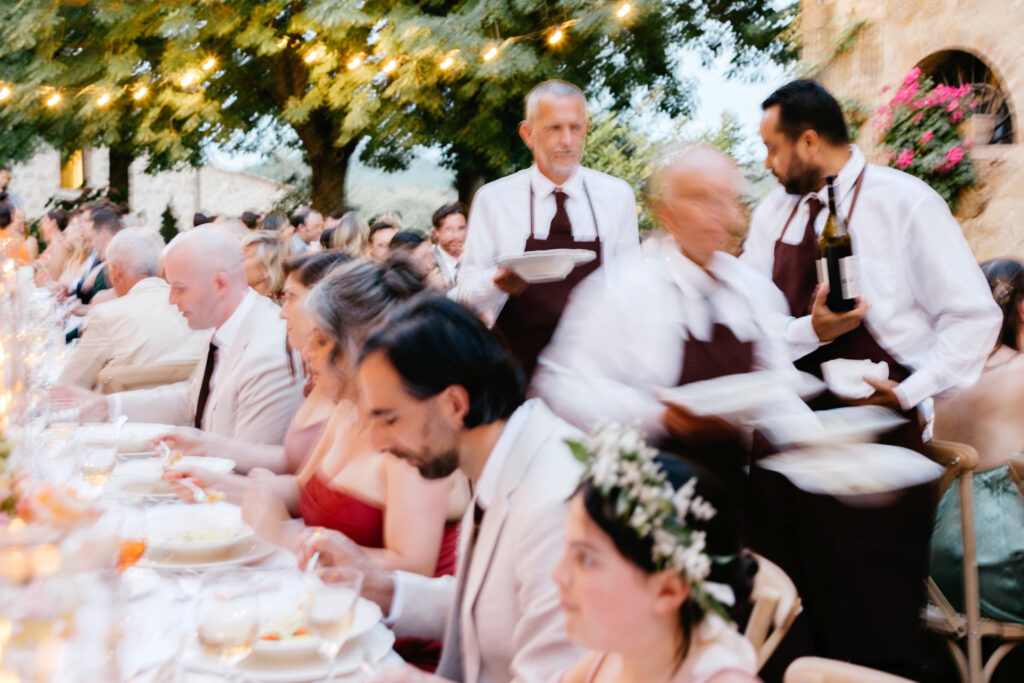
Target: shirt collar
{"x":145,"y":283}
{"x":845,"y":180}
{"x":449,"y":260}
{"x":694,"y":281}
{"x":543,"y":186}
{"x":487,"y":486}
{"x":226,"y":334}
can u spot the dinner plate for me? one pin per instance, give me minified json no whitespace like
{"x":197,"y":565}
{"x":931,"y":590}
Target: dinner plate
{"x":830,"y":427}
{"x":246,"y":552}
{"x":372,"y":647}
{"x":145,"y":477}
{"x":280,"y":612}
{"x":134,"y":436}
{"x":744,"y":396}
{"x":548,"y":265}
{"x":196,"y":529}
{"x":138,"y":582}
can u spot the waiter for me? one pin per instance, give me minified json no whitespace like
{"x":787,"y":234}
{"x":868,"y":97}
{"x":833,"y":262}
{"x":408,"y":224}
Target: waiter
{"x":554,"y":204}
{"x":924,"y":309}
{"x":684,"y":312}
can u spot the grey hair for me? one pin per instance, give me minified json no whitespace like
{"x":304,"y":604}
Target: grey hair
{"x":137,"y":251}
{"x":353,"y":299}
{"x":681,"y":156}
{"x":555,"y":88}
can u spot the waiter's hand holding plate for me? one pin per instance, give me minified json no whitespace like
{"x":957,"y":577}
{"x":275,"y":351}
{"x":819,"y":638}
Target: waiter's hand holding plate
{"x":548,"y":265}
{"x":509,"y":282}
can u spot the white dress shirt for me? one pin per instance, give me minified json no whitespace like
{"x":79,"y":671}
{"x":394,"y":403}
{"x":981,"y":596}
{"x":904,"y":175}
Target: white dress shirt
{"x":929,"y":305}
{"x":499,"y":225}
{"x":448,"y":264}
{"x":623,"y":334}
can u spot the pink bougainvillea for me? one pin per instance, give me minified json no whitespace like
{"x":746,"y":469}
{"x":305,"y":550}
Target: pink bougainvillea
{"x":905,"y":158}
{"x":926,"y":136}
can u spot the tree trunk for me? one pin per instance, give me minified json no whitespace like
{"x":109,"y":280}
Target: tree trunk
{"x":119,"y":160}
{"x":467,"y":182}
{"x":329,"y":166}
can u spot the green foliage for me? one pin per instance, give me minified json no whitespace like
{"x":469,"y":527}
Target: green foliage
{"x":921,"y":133}
{"x":168,"y":225}
{"x":615,"y":148}
{"x":856,"y":114}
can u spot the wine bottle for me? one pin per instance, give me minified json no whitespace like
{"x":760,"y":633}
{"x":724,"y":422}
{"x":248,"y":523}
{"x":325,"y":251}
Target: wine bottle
{"x":836,"y":259}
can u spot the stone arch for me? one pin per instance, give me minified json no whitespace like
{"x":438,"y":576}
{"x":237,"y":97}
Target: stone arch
{"x":958,"y":64}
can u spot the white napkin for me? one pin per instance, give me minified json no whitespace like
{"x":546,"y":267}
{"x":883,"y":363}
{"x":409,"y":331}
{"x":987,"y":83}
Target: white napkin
{"x":845,"y":377}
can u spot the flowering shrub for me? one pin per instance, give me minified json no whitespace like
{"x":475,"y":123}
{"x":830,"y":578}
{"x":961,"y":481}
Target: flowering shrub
{"x":919,"y":129}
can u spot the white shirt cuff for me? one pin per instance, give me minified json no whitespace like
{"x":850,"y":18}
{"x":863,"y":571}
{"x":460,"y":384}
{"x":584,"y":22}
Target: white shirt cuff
{"x":113,"y":407}
{"x":801,"y":336}
{"x":919,"y":387}
{"x":397,"y":601}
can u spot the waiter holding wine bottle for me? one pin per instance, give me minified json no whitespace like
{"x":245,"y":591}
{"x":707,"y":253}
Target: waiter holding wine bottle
{"x":915,"y":299}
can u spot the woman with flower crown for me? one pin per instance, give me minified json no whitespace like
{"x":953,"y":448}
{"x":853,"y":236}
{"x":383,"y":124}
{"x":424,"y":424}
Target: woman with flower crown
{"x":653,"y":577}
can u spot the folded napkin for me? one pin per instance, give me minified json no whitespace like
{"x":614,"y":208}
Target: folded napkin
{"x":845,"y":377}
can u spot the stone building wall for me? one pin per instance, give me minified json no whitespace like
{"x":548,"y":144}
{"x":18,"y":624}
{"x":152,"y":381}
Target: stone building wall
{"x":898,"y":35}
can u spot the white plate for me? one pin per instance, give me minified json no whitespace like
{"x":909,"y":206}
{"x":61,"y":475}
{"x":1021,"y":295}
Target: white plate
{"x":145,"y":477}
{"x":138,"y":582}
{"x":743,"y":396}
{"x":373,"y":646}
{"x":549,"y":265}
{"x":830,"y":427}
{"x":196,"y":529}
{"x":277,"y":609}
{"x":135,"y":436}
{"x":246,"y":552}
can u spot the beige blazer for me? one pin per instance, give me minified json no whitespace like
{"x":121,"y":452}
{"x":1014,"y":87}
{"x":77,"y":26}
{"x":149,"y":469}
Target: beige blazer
{"x":137,"y":329}
{"x":256,"y":392}
{"x":504,"y":620}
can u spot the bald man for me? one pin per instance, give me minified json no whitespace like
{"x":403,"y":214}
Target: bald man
{"x":685,"y":311}
{"x":246,"y":386}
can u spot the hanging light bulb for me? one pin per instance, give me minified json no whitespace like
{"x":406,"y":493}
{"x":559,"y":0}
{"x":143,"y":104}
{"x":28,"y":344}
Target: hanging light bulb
{"x":491,"y":54}
{"x":5,"y":92}
{"x":53,"y":100}
{"x":624,"y":9}
{"x":556,"y":37}
{"x":141,"y":92}
{"x":313,"y":55}
{"x":390,"y":66}
{"x":354,"y":63}
{"x":103,"y":100}
{"x":447,"y":63}
{"x":283,"y":43}
{"x":188,"y":79}
{"x":209,"y":64}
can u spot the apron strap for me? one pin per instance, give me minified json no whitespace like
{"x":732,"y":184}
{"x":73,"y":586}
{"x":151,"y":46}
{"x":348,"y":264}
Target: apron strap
{"x":853,"y":204}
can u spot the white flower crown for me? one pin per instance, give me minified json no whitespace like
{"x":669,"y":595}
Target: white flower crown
{"x":618,"y":461}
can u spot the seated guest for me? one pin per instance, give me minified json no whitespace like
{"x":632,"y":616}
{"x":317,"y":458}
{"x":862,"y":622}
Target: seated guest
{"x":421,"y":254}
{"x":265,"y":254}
{"x":379,"y":239}
{"x":449,"y":238}
{"x":138,"y":328}
{"x":653,"y":572}
{"x":309,"y":422}
{"x":444,"y":394}
{"x":988,"y":417}
{"x":685,"y":312}
{"x":309,"y":223}
{"x":247,"y":387}
{"x":347,"y":234}
{"x":58,"y":247}
{"x":99,"y":225}
{"x":10,"y":241}
{"x":17,"y":227}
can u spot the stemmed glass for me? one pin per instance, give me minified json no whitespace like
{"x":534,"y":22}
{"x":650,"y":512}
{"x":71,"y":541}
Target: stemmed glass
{"x":227,"y":618}
{"x":332,"y":609}
{"x":96,"y":462}
{"x":62,"y":417}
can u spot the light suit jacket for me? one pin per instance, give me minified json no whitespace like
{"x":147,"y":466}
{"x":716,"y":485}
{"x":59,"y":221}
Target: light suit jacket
{"x":504,"y":619}
{"x":140,"y":328}
{"x":256,"y":392}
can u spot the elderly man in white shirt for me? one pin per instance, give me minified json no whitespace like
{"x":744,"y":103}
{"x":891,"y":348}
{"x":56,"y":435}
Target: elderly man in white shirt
{"x":554,"y":204}
{"x":499,"y":617}
{"x":140,"y":327}
{"x":247,"y":387}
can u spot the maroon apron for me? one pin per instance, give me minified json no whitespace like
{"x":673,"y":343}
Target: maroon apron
{"x":528,"y":320}
{"x":859,"y":570}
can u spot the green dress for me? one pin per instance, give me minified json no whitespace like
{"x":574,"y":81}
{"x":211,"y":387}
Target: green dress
{"x":999,"y":521}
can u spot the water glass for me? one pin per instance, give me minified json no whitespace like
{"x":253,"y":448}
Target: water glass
{"x":332,"y":609}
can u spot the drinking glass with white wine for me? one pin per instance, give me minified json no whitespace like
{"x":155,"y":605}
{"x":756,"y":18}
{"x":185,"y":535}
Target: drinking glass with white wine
{"x":332,"y":609}
{"x":227,"y":618}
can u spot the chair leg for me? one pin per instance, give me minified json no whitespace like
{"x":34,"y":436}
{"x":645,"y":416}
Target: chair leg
{"x":972,"y":598}
{"x":997,"y":656}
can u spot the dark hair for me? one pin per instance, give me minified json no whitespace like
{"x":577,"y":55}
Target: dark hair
{"x":382,"y":224}
{"x":106,"y":219}
{"x":60,"y":217}
{"x":448,"y":210}
{"x":805,"y":105}
{"x":406,"y":239}
{"x":299,"y":217}
{"x":434,"y":343}
{"x":723,"y":538}
{"x":325,"y":238}
{"x":1006,"y":280}
{"x":5,"y":214}
{"x":354,"y":298}
{"x":250,"y":219}
{"x":201,"y":219}
{"x":309,"y":269}
{"x":274,"y":221}
{"x":338,"y":214}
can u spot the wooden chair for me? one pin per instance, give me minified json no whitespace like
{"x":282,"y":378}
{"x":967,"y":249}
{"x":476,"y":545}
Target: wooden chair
{"x":940,"y":617}
{"x":775,"y":606}
{"x":127,"y":377}
{"x":819,"y":670}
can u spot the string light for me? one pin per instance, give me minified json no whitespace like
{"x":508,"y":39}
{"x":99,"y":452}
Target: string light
{"x":623,"y":10}
{"x":555,"y":37}
{"x":53,"y":100}
{"x":390,"y":66}
{"x":209,"y":64}
{"x":103,"y":100}
{"x":447,"y":63}
{"x":491,"y":54}
{"x":314,"y":54}
{"x":283,"y":43}
{"x":141,"y":92}
{"x":5,"y":92}
{"x":188,"y":79}
{"x":354,"y":63}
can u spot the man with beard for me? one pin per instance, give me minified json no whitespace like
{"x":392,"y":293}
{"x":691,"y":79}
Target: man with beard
{"x":449,"y":237}
{"x":444,"y":394}
{"x":923,"y":309}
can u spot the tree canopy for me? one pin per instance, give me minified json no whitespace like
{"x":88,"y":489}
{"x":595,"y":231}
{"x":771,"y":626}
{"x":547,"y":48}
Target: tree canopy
{"x":163,"y":78}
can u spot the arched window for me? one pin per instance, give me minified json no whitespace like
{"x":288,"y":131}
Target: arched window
{"x":956,"y":67}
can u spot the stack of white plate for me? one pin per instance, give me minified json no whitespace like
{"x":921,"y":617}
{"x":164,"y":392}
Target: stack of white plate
{"x":144,"y":477}
{"x":202,"y":536}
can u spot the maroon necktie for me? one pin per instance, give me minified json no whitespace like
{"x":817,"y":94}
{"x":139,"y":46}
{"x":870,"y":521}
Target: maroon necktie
{"x":560,"y":225}
{"x":814,"y":207}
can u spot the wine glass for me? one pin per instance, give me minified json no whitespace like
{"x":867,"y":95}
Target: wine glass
{"x":63,"y":417}
{"x":134,"y":531}
{"x":96,"y":462}
{"x":227,"y":618}
{"x":332,"y":609}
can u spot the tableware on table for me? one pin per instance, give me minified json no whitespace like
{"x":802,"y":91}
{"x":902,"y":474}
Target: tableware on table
{"x":243,"y":553}
{"x":131,"y":437}
{"x":742,"y":397}
{"x":332,"y":610}
{"x":96,"y":461}
{"x":548,"y":265}
{"x":62,"y":417}
{"x":138,"y":582}
{"x":285,"y":631}
{"x":145,"y":477}
{"x":830,"y":427}
{"x":196,"y":530}
{"x":845,"y":377}
{"x":134,"y":532}
{"x":227,"y":618}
